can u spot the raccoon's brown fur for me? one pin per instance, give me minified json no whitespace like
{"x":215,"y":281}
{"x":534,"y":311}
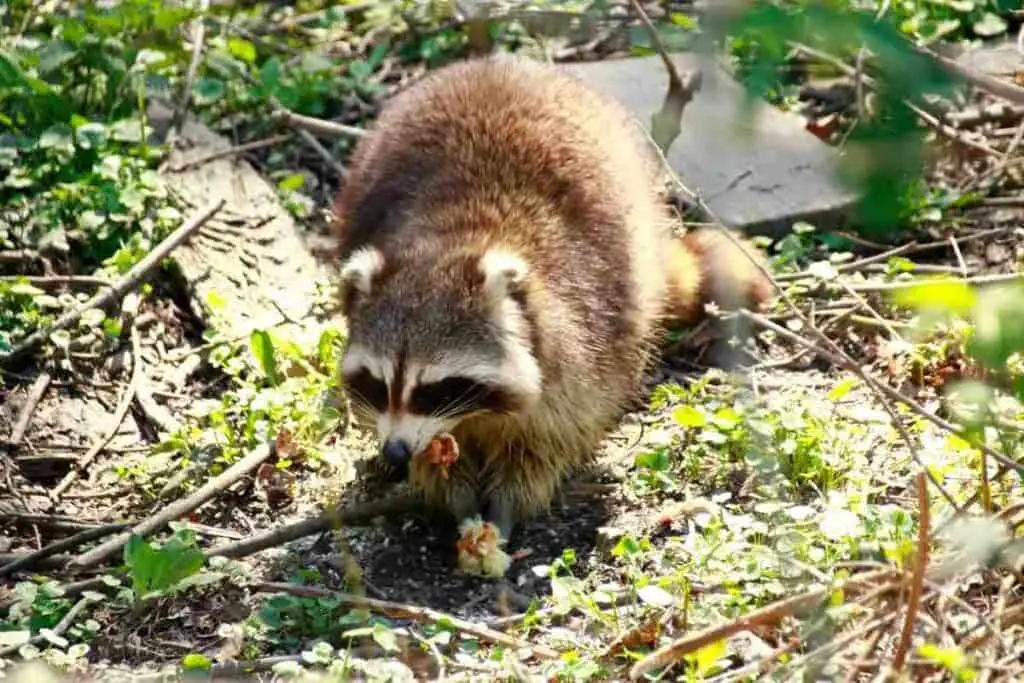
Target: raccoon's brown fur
{"x":503,"y":153}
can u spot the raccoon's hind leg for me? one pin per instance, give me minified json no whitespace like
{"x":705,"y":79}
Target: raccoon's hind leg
{"x":516,"y":486}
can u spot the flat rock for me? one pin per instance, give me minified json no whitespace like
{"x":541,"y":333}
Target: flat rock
{"x":999,"y":57}
{"x":759,"y":175}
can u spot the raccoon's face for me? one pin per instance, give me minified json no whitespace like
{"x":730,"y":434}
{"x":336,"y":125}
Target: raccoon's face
{"x":434,"y":340}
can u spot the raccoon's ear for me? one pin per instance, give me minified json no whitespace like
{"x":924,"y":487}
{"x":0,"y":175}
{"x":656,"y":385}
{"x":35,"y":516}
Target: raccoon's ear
{"x":503,"y":272}
{"x":358,"y":272}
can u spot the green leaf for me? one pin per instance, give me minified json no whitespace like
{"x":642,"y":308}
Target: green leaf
{"x":54,"y":55}
{"x":292,"y":183}
{"x":159,"y":569}
{"x":952,"y":296}
{"x":842,"y":389}
{"x":998,"y":326}
{"x":263,"y":351}
{"x":270,"y":72}
{"x":195,"y":661}
{"x":243,"y":49}
{"x":207,"y":90}
{"x":689,"y":417}
{"x":385,"y":637}
{"x":706,"y":657}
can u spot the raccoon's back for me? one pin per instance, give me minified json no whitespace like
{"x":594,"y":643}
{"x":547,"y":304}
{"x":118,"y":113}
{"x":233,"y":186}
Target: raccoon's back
{"x":513,"y":152}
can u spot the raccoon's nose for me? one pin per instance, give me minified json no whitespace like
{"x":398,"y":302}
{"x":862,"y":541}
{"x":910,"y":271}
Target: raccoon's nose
{"x":397,"y":453}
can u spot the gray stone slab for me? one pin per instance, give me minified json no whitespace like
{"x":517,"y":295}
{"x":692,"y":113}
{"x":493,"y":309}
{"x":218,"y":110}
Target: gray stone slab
{"x":759,"y":175}
{"x":1000,"y":57}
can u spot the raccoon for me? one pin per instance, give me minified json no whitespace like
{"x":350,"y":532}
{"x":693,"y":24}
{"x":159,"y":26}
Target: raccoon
{"x":508,"y":269}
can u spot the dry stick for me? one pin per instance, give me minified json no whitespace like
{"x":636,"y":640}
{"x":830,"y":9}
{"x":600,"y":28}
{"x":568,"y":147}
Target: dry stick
{"x":35,"y":394}
{"x":990,"y":84}
{"x":232,"y":151}
{"x":52,"y":281}
{"x":198,"y":37}
{"x":129,"y":281}
{"x":931,"y":121}
{"x":909,"y":247}
{"x":887,"y":390}
{"x":979,"y":280}
{"x":400,"y":611}
{"x":119,"y":414}
{"x":666,"y":123}
{"x":765,"y":616}
{"x":318,"y":126}
{"x":175,"y":510}
{"x":853,"y":265}
{"x":64,"y":544}
{"x":917,"y":583}
{"x":355,"y":515}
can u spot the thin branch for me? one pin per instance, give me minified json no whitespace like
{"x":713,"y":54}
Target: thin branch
{"x":128,"y":282}
{"x":666,"y":124}
{"x":69,"y":543}
{"x":231,"y":152}
{"x":917,"y":584}
{"x":356,"y":515}
{"x":402,"y":611}
{"x":177,"y":509}
{"x":119,"y":414}
{"x":766,"y":616}
{"x":994,"y":86}
{"x":35,"y":394}
{"x":63,"y":625}
{"x":315,"y":126}
{"x":198,"y":38}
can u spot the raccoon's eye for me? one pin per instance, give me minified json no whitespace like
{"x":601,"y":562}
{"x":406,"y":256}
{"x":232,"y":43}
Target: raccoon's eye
{"x":368,"y":389}
{"x":455,"y":396}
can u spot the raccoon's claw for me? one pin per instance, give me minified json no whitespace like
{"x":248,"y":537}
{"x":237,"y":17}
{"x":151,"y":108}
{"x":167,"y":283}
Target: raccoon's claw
{"x":480,"y":549}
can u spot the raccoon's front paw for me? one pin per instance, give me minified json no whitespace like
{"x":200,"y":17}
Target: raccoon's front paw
{"x":480,"y":549}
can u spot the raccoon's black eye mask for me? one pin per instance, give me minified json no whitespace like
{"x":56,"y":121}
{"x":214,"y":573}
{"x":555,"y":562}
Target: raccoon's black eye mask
{"x":369,"y":390}
{"x":457,"y":396}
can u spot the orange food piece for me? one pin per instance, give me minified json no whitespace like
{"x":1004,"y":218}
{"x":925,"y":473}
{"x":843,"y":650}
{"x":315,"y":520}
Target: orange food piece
{"x":478,"y":542}
{"x":442,"y":451}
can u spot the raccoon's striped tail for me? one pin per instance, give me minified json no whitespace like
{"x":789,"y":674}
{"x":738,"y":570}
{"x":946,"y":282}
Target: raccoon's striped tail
{"x":708,"y":267}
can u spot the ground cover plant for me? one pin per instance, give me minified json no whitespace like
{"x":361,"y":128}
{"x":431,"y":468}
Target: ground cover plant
{"x":183,"y":493}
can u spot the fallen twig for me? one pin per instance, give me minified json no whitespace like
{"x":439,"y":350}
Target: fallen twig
{"x":356,"y":515}
{"x":318,"y":126}
{"x":402,"y":611}
{"x":68,"y":543}
{"x":765,"y":616}
{"x":128,"y":282}
{"x":666,"y":124}
{"x":917,"y":584}
{"x":35,"y":394}
{"x":54,"y":281}
{"x":177,"y":509}
{"x":977,"y":280}
{"x":230,"y":152}
{"x":198,"y":39}
{"x":994,"y":86}
{"x":159,"y":415}
{"x":119,"y":414}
